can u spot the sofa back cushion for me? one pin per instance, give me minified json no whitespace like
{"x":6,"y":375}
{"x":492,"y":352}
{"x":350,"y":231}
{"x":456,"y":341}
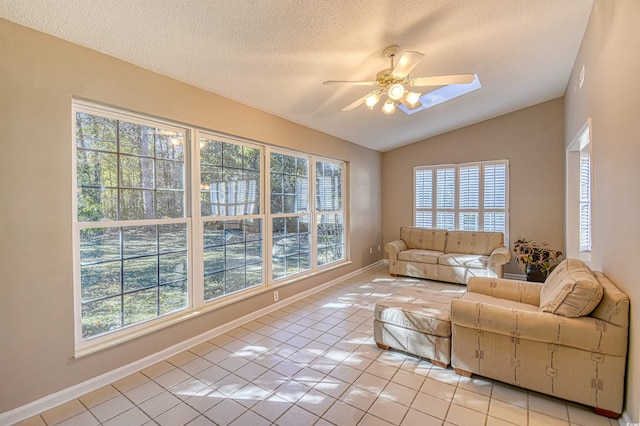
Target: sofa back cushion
{"x":571,"y":290}
{"x":473,"y":242}
{"x":424,"y":238}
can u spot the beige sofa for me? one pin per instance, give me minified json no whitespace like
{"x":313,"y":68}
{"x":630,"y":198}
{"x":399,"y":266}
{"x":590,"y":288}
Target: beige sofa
{"x":453,"y":256}
{"x":567,"y":337}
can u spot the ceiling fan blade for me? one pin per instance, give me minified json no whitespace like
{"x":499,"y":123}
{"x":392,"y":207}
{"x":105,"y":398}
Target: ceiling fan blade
{"x":443,"y":80}
{"x":354,"y":105}
{"x":404,"y":102}
{"x":407,"y":62}
{"x":351,"y":83}
{"x":360,"y":101}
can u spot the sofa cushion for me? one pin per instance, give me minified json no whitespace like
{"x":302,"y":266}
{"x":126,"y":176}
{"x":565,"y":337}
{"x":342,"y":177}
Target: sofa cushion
{"x":422,"y":256}
{"x":423,"y":310}
{"x":469,"y":261}
{"x":471,"y":242}
{"x":571,"y":290}
{"x":424,"y":238}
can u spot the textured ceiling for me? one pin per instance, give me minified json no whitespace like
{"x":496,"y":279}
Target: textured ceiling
{"x":275,"y":54}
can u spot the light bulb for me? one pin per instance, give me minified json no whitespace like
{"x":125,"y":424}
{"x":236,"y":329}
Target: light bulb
{"x":412,"y":98}
{"x":389,"y":107}
{"x":396,"y":91}
{"x":372,"y":100}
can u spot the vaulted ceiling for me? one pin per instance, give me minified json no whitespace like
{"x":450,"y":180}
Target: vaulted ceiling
{"x":274,"y":54}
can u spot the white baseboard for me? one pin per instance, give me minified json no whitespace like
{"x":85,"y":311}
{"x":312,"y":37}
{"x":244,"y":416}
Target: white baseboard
{"x":625,"y":420}
{"x":50,"y":401}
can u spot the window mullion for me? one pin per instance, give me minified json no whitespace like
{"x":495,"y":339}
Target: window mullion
{"x":196,"y":256}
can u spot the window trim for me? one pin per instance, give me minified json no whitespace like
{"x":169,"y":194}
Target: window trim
{"x":196,"y":305}
{"x":457,"y":210}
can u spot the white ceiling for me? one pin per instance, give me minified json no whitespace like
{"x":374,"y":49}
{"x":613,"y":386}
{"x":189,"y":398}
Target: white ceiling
{"x":275,"y":54}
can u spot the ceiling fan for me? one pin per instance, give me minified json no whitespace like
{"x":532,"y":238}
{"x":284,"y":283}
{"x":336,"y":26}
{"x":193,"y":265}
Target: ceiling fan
{"x":394,"y":83}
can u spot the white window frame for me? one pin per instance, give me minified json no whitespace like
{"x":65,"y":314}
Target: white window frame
{"x":577,"y":223}
{"x":196,"y":304}
{"x":457,"y":209}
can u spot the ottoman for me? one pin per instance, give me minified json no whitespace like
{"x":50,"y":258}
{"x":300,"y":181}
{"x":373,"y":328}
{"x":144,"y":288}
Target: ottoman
{"x":417,"y":321}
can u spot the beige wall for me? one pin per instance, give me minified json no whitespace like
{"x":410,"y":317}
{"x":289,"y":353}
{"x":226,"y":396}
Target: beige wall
{"x":39,"y":75}
{"x":532,"y":139}
{"x":610,"y":95}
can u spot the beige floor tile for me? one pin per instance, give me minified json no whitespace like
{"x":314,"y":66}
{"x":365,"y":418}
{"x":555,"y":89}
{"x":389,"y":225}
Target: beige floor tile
{"x":539,"y":419}
{"x":509,"y":412}
{"x":399,"y":393}
{"x":549,"y":406}
{"x":431,"y":405}
{"x":132,"y":417}
{"x":158,"y":369}
{"x":272,"y":407}
{"x":143,"y":392}
{"x":462,"y":416}
{"x":410,"y":380}
{"x":370,"y":420}
{"x":296,"y":416}
{"x":388,"y":410}
{"x":83,"y":419}
{"x":510,"y":394}
{"x":111,"y":408}
{"x":438,"y":389}
{"x":32,"y":421}
{"x":471,"y":400}
{"x":63,"y":412}
{"x":343,"y":414}
{"x":584,"y":416}
{"x":225,"y":412}
{"x":99,"y":396}
{"x":182,"y":358}
{"x":180,"y":414}
{"x":130,"y":382}
{"x":415,"y":417}
{"x":159,"y":404}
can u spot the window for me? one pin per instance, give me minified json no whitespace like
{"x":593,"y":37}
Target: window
{"x":291,"y":218}
{"x":471,"y":196}
{"x":579,"y":219}
{"x":230,"y":174}
{"x":131,"y":226}
{"x":329,"y":213}
{"x":169,"y":220}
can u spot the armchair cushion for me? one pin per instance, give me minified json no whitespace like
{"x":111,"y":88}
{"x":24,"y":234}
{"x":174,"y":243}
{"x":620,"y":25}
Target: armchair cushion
{"x":570,"y":290}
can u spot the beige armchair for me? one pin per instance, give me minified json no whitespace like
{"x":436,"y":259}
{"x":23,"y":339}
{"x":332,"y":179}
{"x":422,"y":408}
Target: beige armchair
{"x":567,"y":338}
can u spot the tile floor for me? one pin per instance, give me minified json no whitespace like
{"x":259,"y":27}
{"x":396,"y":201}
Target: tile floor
{"x":312,"y":362}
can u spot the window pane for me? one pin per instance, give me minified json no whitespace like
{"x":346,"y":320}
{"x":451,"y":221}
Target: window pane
{"x":469,"y":221}
{"x":230,"y":247}
{"x":495,"y":221}
{"x":291,"y":246}
{"x":424,"y":219}
{"x":328,"y":187}
{"x":495,"y":186}
{"x":125,"y":186}
{"x":330,"y":238}
{"x":469,"y":187}
{"x":94,"y":132}
{"x":446,"y":188}
{"x":122,"y":267}
{"x":290,"y":184}
{"x":445,"y":220}
{"x":229,"y":179}
{"x":424,"y":188}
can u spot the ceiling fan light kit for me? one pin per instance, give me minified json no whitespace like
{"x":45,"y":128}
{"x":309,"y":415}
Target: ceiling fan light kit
{"x":393,"y":83}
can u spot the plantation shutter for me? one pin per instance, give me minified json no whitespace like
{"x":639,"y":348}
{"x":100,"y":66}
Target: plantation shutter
{"x":495,"y":197}
{"x":469,"y":198}
{"x":424,"y":198}
{"x":585,"y":202}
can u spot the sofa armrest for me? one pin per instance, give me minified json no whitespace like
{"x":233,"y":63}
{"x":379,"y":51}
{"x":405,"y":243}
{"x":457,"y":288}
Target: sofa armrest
{"x":393,"y":248}
{"x":585,"y":333}
{"x":518,"y":291}
{"x":499,"y":256}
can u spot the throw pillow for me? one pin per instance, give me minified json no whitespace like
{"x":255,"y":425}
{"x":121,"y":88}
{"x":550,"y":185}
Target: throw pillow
{"x":571,"y":290}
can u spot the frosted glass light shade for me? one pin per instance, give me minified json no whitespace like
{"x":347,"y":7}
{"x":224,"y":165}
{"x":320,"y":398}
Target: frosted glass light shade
{"x":389,"y":107}
{"x":396,"y":91}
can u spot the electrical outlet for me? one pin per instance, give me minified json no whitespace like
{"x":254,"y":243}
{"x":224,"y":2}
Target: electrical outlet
{"x":370,"y":250}
{"x":378,"y":247}
{"x":276,"y":296}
